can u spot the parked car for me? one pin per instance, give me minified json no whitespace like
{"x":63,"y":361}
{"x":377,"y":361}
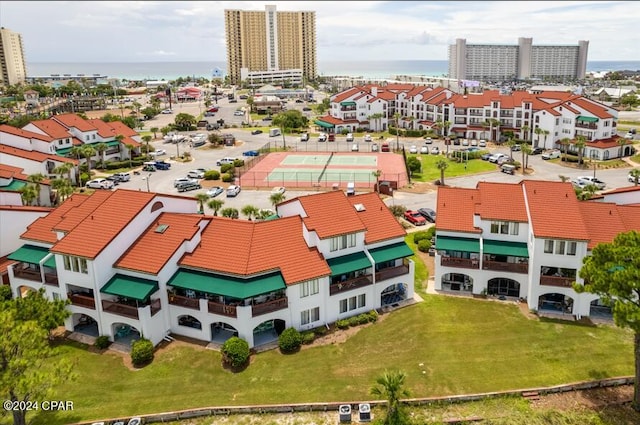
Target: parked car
{"x":485,"y":156}
{"x":186,"y":186}
{"x":435,"y":150}
{"x":415,"y":218}
{"x":424,"y":150}
{"x":629,"y":135}
{"x":278,"y":189}
{"x":161,"y":165}
{"x":195,"y":174}
{"x":306,"y":109}
{"x":505,"y":160}
{"x":465,"y":142}
{"x":226,"y":160}
{"x":349,"y":137}
{"x":367,"y":138}
{"x":233,"y":191}
{"x":158,"y":152}
{"x":355,"y":148}
{"x":536,"y":151}
{"x":304,"y":137}
{"x":238,"y":113}
{"x":374,"y":147}
{"x":322,"y":137}
{"x":385,"y":147}
{"x":428,"y":214}
{"x":579,"y":184}
{"x":214,"y":191}
{"x":251,"y":153}
{"x":516,"y":148}
{"x":413,"y":149}
{"x":631,"y":178}
{"x":209,"y":114}
{"x":183,"y":180}
{"x":551,"y":154}
{"x":257,"y":131}
{"x":428,"y":140}
{"x":593,"y":180}
{"x":496,"y":157}
{"x":482,"y":143}
{"x":100,"y":184}
{"x":122,"y":177}
{"x":213,"y":109}
{"x":167,"y":111}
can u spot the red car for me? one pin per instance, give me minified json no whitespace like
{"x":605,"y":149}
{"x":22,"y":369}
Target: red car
{"x":415,"y":218}
{"x":213,"y":109}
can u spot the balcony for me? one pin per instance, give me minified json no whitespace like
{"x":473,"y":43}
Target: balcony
{"x":183,"y":301}
{"x":222,"y":309}
{"x":465,"y":263}
{"x":269,"y":306}
{"x":350,"y":284}
{"x":120,"y":309}
{"x":587,"y":126}
{"x":391,"y":272}
{"x":563,"y":282}
{"x":505,"y":267}
{"x":82,"y":300}
{"x":27,"y":273}
{"x":51,"y":279}
{"x":347,"y":108}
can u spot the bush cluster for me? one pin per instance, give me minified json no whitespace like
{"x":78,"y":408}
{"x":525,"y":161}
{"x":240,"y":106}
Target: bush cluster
{"x":308,"y":337}
{"x":238,"y":163}
{"x":102,"y":342}
{"x":212,"y":175}
{"x":467,"y":154}
{"x":424,"y":234}
{"x":360,"y":319}
{"x":289,"y":340}
{"x":227,"y":168}
{"x":114,"y":165}
{"x":227,"y":178}
{"x":141,"y":352}
{"x":235,"y":352}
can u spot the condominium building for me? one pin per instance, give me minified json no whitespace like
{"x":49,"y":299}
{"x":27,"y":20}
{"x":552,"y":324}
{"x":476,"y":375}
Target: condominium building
{"x":517,"y":62}
{"x":13,"y":69}
{"x":270,"y":41}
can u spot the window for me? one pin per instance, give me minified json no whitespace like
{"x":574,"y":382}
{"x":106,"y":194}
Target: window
{"x":310,"y":316}
{"x":352,"y":240}
{"x":571,"y":248}
{"x":342,"y":242}
{"x":75,"y":264}
{"x":311,"y":287}
{"x":362,"y":300}
{"x":334,"y":244}
{"x":548,"y":246}
{"x":56,"y":296}
{"x":352,"y":303}
{"x":560,"y":247}
{"x":504,"y":228}
{"x":343,"y":306}
{"x":513,"y":230}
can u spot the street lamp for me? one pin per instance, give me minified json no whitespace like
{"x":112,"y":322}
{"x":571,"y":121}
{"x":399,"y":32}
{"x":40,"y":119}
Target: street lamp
{"x":595,"y":164}
{"x":147,"y":179}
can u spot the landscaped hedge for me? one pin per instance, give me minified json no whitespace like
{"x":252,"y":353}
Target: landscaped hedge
{"x":114,"y":165}
{"x":290,"y":340}
{"x":424,"y":234}
{"x":227,"y":168}
{"x":212,"y":175}
{"x":141,"y":352}
{"x":424,"y":245}
{"x":360,"y":319}
{"x":235,"y":352}
{"x":102,"y":342}
{"x":238,"y":163}
{"x":227,"y":178}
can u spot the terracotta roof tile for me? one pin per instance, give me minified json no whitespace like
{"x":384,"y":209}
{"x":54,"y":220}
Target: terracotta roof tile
{"x":10,"y":172}
{"x":455,"y":209}
{"x":4,"y":128}
{"x":41,"y":229}
{"x":603,"y":212}
{"x":162,"y":245}
{"x":52,"y":128}
{"x":33,"y":155}
{"x":4,"y":263}
{"x":330,"y":214}
{"x":73,"y":120}
{"x":501,"y":201}
{"x":380,"y":223}
{"x":30,"y":208}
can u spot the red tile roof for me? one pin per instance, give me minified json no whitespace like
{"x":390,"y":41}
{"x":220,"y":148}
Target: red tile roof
{"x":34,"y":156}
{"x":9,"y":172}
{"x":455,"y":208}
{"x":41,"y":229}
{"x":331,"y":120}
{"x":163,"y":245}
{"x":330,"y":214}
{"x":73,"y":120}
{"x":603,"y":212}
{"x":4,"y":263}
{"x":89,"y":237}
{"x":501,"y":201}
{"x":247,"y":248}
{"x":611,"y":142}
{"x":4,"y":128}
{"x":29,"y":208}
{"x":621,"y":190}
{"x":53,"y":128}
{"x":378,"y":220}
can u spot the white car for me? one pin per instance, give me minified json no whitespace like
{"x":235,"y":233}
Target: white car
{"x":474,"y":142}
{"x":322,"y":137}
{"x":592,"y":180}
{"x":278,"y":189}
{"x":195,"y":174}
{"x":226,"y":160}
{"x":238,"y":113}
{"x":465,"y":142}
{"x":631,"y":178}
{"x":551,"y":154}
{"x":496,"y":157}
{"x":183,"y":180}
{"x":233,"y":190}
{"x":482,"y":143}
{"x":100,"y":184}
{"x":167,"y":111}
{"x":413,"y":149}
{"x":349,"y":137}
{"x":355,"y":148}
{"x":424,"y":150}
{"x":367,"y":138}
{"x":158,"y":152}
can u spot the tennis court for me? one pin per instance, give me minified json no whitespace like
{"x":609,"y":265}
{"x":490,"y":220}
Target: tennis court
{"x":321,"y":169}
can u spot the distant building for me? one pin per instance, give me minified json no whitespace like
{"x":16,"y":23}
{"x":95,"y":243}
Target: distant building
{"x":517,"y":62}
{"x":270,"y":41}
{"x":12,"y":65}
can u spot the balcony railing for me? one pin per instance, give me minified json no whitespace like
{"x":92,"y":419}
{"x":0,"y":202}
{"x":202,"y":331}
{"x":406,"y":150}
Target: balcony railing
{"x":183,"y":301}
{"x":390,"y":272}
{"x":222,"y":309}
{"x":28,"y":274}
{"x":51,"y":279}
{"x":120,"y":309}
{"x":83,"y":301}
{"x":350,"y":284}
{"x":564,"y":282}
{"x":505,"y":267}
{"x":466,"y":263}
{"x":589,"y":126}
{"x":269,"y":306}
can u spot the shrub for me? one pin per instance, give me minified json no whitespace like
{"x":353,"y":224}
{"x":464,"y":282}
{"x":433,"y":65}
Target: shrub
{"x":308,"y":337}
{"x":102,"y":342}
{"x":238,"y":163}
{"x":342,"y":324}
{"x":424,"y":245}
{"x":353,"y":321}
{"x":363,"y":318}
{"x":235,"y":352}
{"x":320,"y":331}
{"x":418,"y":236}
{"x":227,"y":178}
{"x":290,"y":340}
{"x":227,"y":168}
{"x":212,"y":175}
{"x":373,"y":316}
{"x":141,"y":352}
{"x":431,"y":232}
{"x":5,"y":293}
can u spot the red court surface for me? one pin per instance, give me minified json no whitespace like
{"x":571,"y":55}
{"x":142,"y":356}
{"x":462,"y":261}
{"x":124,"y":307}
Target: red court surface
{"x":323,"y":170}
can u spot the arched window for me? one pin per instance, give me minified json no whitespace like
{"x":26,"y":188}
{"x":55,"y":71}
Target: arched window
{"x":156,"y":206}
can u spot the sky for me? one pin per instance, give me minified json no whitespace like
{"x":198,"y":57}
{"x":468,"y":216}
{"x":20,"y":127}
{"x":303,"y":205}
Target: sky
{"x":184,"y":31}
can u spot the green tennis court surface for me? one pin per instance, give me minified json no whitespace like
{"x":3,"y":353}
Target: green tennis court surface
{"x":321,"y":159}
{"x":304,"y":174}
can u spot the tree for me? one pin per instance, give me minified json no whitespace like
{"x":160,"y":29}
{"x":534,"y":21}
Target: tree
{"x":377,"y":175}
{"x":545,"y":133}
{"x":510,"y":144}
{"x":414,"y":164}
{"x":101,"y":148}
{"x":526,"y":151}
{"x":565,"y":142}
{"x":88,"y":152}
{"x":396,"y":118}
{"x":215,"y":205}
{"x":37,"y":180}
{"x":390,"y":386}
{"x":586,"y":193}
{"x":538,"y":132}
{"x":154,"y":130}
{"x":63,"y":189}
{"x":581,"y":142}
{"x":563,"y":178}
{"x":635,"y":173}
{"x":611,"y":271}
{"x":525,"y":132}
{"x":250,"y":211}
{"x":290,"y":120}
{"x":376,"y":119}
{"x":28,"y":193}
{"x":276,"y":198}
{"x":442,"y":165}
{"x":146,"y":138}
{"x":494,"y":124}
{"x":30,"y":368}
{"x":250,"y":102}
{"x":230,"y":212}
{"x":184,"y":121}
{"x":621,"y":142}
{"x":201,"y":198}
{"x":65,"y":168}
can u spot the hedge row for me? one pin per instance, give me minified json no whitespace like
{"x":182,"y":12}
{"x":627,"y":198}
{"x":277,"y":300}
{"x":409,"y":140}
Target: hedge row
{"x":360,"y":319}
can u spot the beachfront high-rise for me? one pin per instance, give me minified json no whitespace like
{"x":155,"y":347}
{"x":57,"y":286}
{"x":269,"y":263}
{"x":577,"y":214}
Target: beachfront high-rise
{"x":12,"y":66}
{"x":522,"y":61}
{"x":269,"y":41}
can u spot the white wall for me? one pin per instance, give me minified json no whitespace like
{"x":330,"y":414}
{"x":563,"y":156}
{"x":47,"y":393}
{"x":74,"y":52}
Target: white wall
{"x":13,"y":223}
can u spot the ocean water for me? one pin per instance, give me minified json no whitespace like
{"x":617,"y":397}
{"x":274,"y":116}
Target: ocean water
{"x":366,"y":69}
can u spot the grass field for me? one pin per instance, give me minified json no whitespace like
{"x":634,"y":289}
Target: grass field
{"x":464,"y":346}
{"x":455,"y":169}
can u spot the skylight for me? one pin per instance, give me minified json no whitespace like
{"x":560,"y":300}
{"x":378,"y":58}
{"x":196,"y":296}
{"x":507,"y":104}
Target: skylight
{"x":161,"y":228}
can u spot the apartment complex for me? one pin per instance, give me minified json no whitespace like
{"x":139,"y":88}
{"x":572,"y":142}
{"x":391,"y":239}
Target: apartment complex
{"x":525,"y":240}
{"x":543,"y":118}
{"x":137,"y":263}
{"x":13,"y":69}
{"x":270,"y":42}
{"x":496,"y":62}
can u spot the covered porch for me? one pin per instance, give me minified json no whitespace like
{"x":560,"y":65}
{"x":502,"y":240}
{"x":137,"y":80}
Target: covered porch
{"x":129,"y":294}
{"x":505,"y":256}
{"x":458,"y":252}
{"x":34,"y":263}
{"x":349,"y":272}
{"x":391,"y":260}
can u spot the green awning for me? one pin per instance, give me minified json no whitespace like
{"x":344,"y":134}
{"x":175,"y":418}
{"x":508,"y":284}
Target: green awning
{"x":348,"y":103}
{"x":51,"y":262}
{"x":516,"y":249}
{"x":348,"y":263}
{"x":226,"y":285}
{"x":323,"y":124}
{"x":63,"y":151}
{"x":586,"y":119}
{"x":390,"y":252}
{"x":130,"y":287}
{"x":113,"y":143}
{"x":15,"y":185}
{"x":29,"y":254}
{"x":451,"y":243}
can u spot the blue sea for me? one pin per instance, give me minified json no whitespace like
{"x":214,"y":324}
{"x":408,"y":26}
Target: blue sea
{"x":366,"y":69}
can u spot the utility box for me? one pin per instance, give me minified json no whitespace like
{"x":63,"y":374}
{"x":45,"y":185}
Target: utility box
{"x":345,"y":413}
{"x":364,"y":412}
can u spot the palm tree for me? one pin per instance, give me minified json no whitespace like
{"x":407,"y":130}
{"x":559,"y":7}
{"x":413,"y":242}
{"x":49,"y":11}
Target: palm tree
{"x":37,"y":179}
{"x":526,"y":151}
{"x":586,"y":192}
{"x":396,"y":117}
{"x":276,"y":198}
{"x":439,"y":124}
{"x":154,"y":130}
{"x":88,"y":152}
{"x":538,"y":132}
{"x":28,"y":193}
{"x":581,"y":142}
{"x":230,"y":212}
{"x":250,"y":211}
{"x":215,"y":205}
{"x":390,"y":386}
{"x":495,"y":124}
{"x":510,"y":144}
{"x":201,"y":198}
{"x":62,"y":189}
{"x":545,"y":133}
{"x":525,"y":132}
{"x":377,"y":175}
{"x":565,"y":144}
{"x":64,"y":168}
{"x":635,"y":173}
{"x":375,"y":118}
{"x":621,"y":142}
{"x":146,"y":138}
{"x":446,"y":125}
{"x":442,"y":165}
{"x":101,"y":148}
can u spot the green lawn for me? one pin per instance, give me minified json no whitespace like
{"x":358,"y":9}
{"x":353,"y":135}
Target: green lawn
{"x":464,"y":346}
{"x":455,"y":169}
{"x":421,"y":272}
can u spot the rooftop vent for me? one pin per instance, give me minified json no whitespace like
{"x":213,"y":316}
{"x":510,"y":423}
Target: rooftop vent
{"x":161,"y":228}
{"x":359,"y":207}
